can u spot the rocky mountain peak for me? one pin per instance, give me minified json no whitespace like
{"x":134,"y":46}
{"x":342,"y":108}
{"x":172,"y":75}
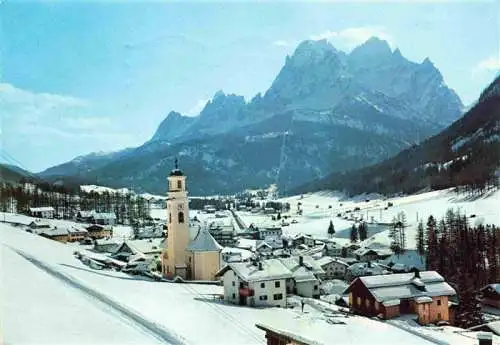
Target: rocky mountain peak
{"x":310,"y":51}
{"x":372,"y":48}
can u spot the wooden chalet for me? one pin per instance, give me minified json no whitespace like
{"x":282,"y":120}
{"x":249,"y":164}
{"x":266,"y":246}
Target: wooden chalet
{"x":422,"y":293}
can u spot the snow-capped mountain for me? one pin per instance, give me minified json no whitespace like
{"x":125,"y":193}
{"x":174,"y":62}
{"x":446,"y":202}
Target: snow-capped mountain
{"x":325,"y":111}
{"x":467,"y":153}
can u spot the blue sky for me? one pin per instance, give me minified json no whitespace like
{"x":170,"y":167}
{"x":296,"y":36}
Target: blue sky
{"x":78,"y":77}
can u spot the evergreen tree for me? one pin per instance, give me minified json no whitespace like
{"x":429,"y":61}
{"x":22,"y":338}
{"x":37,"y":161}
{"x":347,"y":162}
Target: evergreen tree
{"x":331,"y":229}
{"x":354,"y":234}
{"x":420,"y":238}
{"x":363,"y":231}
{"x":432,"y":244}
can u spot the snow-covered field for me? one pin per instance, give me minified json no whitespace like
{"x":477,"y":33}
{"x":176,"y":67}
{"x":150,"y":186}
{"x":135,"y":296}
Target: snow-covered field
{"x":50,"y":297}
{"x":320,"y":208}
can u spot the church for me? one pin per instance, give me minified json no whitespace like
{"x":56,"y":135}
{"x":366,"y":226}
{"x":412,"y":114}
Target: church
{"x":189,"y":252}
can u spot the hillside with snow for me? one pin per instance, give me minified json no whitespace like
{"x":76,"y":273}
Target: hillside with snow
{"x":54,"y":298}
{"x":322,"y":207}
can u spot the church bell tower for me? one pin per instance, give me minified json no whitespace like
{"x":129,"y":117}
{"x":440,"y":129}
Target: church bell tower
{"x":174,"y":257}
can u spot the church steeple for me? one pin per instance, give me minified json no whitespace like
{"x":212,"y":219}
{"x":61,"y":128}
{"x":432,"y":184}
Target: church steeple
{"x":174,"y":259}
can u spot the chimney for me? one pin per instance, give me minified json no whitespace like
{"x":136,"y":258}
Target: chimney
{"x":417,"y":273}
{"x":301,"y":260}
{"x":485,"y":338}
{"x":260,"y":266}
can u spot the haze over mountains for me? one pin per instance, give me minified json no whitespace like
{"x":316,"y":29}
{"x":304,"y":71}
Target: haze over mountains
{"x":326,"y":111}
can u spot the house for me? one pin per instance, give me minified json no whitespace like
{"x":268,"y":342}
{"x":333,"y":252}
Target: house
{"x":409,"y":260}
{"x":209,"y":209}
{"x":305,"y":279}
{"x":97,"y":231}
{"x":42,"y":212}
{"x":39,"y":224}
{"x":490,"y":295}
{"x":84,"y":216}
{"x":56,"y":234}
{"x":256,"y":283}
{"x":76,"y":234}
{"x":103,"y":218}
{"x":264,"y":248}
{"x":332,"y":249}
{"x":303,"y":239}
{"x":229,"y":256}
{"x":423,"y":293}
{"x":107,"y":245}
{"x":144,"y":248}
{"x":335,"y":268}
{"x":350,"y":249}
{"x":362,"y":269}
{"x":269,"y":232}
{"x":366,"y":254}
{"x":223,"y":234}
{"x":493,"y":327}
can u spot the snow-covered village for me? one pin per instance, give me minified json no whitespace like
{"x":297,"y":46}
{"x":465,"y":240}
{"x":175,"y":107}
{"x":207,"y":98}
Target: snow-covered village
{"x":349,"y":195}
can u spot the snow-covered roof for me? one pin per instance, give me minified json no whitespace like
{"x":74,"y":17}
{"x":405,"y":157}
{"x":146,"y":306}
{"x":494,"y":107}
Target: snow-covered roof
{"x":304,"y":272}
{"x":86,"y":214}
{"x":271,"y":269}
{"x":493,"y":287}
{"x":39,"y":223}
{"x":400,"y":279}
{"x":325,"y":260}
{"x":77,"y":230}
{"x":42,"y":209}
{"x":103,"y":215}
{"x":409,"y":259}
{"x":306,"y":329}
{"x":55,"y":232}
{"x":204,"y":242}
{"x":405,"y":285}
{"x":147,"y":245}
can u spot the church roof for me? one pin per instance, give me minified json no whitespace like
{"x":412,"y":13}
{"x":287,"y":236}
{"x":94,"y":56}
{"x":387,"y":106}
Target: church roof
{"x":204,"y":242}
{"x":176,"y":172}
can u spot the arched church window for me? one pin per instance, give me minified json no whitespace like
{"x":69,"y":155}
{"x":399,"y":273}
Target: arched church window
{"x":181,"y":217}
{"x":179,"y":184}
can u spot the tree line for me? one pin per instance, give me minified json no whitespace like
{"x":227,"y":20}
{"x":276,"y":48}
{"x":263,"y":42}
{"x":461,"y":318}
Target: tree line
{"x":67,"y":202}
{"x":466,"y":256}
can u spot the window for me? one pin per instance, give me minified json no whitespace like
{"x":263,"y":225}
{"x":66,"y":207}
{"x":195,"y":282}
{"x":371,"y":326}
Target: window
{"x":277,"y":284}
{"x":234,"y":295}
{"x":262,"y":285}
{"x":234,"y":283}
{"x":278,"y":296}
{"x":170,"y":218}
{"x":179,"y":184}
{"x":181,"y":217}
{"x":263,"y":298}
{"x":438,"y":302}
{"x":439,"y":316}
{"x":315,"y":287}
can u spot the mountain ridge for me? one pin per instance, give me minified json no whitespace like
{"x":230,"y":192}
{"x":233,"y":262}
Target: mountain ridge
{"x":330,"y":93}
